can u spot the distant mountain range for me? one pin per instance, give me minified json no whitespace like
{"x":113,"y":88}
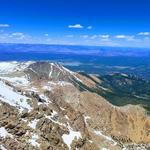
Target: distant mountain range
{"x":76,"y":50}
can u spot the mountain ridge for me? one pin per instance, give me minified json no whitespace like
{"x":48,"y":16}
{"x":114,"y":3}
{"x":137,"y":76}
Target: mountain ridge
{"x":44,"y":108}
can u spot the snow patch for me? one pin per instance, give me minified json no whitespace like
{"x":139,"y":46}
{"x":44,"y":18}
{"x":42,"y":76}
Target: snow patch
{"x":68,"y":138}
{"x":86,"y":118}
{"x":7,"y":67}
{"x":2,"y":147}
{"x":90,"y":141}
{"x":62,"y":108}
{"x":33,"y":140}
{"x":103,"y":149}
{"x":99,"y":133}
{"x":46,"y":87}
{"x":61,"y":83}
{"x":50,"y":73}
{"x":123,"y":74}
{"x":105,"y":89}
{"x":4,"y":133}
{"x":67,"y":70}
{"x":54,"y":113}
{"x":45,"y":98}
{"x":13,"y":98}
{"x":17,"y":80}
{"x":33,"y":123}
{"x":66,"y":117}
{"x":25,"y":120}
{"x":51,"y":117}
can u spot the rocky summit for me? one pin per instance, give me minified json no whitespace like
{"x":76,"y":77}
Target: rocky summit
{"x":44,"y":106}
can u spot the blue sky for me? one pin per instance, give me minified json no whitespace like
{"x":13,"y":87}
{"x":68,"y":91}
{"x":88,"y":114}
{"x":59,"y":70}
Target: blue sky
{"x":76,"y":22}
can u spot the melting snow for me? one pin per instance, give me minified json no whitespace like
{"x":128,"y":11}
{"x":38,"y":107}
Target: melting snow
{"x":13,"y":98}
{"x":4,"y":133}
{"x":33,"y":140}
{"x":68,"y":138}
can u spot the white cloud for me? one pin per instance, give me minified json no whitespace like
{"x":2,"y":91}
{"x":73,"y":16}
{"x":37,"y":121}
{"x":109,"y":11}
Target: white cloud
{"x":48,"y":40}
{"x":83,"y":39}
{"x":120,"y":36}
{"x":1,"y":31}
{"x":84,"y":36}
{"x":144,"y":33}
{"x":105,"y":39}
{"x":131,"y":38}
{"x":46,"y":34}
{"x":70,"y":36}
{"x":4,"y":25}
{"x":94,"y":37}
{"x":3,"y":36}
{"x":127,"y":37}
{"x":89,"y":27}
{"x":108,"y":43}
{"x":104,"y":36}
{"x":17,"y":35}
{"x":76,"y":26}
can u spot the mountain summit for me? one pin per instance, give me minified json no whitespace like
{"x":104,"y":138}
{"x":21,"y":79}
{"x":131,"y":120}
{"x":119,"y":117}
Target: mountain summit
{"x":45,"y":106}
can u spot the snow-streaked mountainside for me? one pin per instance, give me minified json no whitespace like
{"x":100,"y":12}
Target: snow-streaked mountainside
{"x":45,"y":106}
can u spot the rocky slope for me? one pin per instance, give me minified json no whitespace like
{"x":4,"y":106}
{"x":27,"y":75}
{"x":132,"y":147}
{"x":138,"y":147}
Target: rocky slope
{"x":44,"y":106}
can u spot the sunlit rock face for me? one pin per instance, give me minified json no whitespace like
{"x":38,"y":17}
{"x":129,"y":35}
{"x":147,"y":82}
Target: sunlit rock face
{"x":45,"y":106}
